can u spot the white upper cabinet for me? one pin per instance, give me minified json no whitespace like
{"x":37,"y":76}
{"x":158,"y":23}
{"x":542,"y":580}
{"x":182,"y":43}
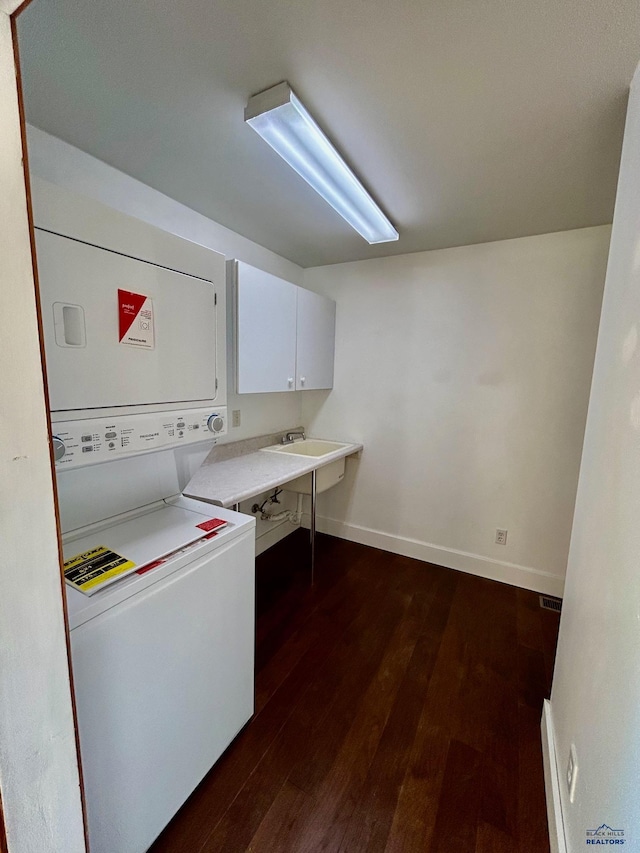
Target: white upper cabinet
{"x":265,"y":331}
{"x":316,"y":333}
{"x":285,"y":335}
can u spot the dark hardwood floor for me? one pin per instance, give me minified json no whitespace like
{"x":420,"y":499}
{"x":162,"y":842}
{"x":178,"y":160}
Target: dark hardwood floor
{"x":398,"y":708}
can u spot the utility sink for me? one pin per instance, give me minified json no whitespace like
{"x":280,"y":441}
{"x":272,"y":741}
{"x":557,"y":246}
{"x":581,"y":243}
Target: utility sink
{"x":326,"y":476}
{"x":315,"y":447}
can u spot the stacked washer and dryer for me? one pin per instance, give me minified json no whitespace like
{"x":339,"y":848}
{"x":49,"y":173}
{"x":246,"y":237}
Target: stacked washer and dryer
{"x":161,"y":615}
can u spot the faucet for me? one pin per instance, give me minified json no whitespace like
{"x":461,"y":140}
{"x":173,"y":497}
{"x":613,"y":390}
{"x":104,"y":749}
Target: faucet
{"x":291,"y":436}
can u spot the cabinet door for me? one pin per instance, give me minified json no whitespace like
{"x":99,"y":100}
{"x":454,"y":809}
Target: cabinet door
{"x":316,"y":340}
{"x":265,"y":331}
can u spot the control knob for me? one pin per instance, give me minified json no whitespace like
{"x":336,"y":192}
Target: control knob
{"x":58,"y":448}
{"x":215,"y":423}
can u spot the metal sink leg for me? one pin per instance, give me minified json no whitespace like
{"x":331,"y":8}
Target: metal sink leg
{"x":313,"y":523}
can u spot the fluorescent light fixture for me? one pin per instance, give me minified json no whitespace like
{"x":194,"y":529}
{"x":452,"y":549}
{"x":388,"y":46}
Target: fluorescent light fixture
{"x":282,"y":120}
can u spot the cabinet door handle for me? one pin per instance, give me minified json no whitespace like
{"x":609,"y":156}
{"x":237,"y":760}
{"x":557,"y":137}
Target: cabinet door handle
{"x":290,"y":381}
{"x":303,"y":380}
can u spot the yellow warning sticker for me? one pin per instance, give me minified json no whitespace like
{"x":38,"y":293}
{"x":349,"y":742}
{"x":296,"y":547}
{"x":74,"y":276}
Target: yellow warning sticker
{"x":96,"y":567}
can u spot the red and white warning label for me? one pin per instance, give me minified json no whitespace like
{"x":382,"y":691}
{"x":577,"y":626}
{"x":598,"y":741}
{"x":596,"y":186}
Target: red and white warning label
{"x":135,"y":317}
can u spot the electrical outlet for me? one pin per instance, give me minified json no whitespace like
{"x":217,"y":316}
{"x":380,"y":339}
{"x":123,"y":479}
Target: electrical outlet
{"x":501,"y":537}
{"x":572,"y":773}
{"x":235,"y":418}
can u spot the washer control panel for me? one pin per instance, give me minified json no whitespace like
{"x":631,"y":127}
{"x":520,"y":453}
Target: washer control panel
{"x":86,"y":442}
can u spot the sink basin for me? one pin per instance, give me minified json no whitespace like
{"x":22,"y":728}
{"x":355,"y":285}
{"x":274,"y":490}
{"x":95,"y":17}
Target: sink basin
{"x":314,"y":447}
{"x":326,"y":477}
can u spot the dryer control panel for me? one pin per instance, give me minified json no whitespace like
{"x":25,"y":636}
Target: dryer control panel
{"x":86,"y":442}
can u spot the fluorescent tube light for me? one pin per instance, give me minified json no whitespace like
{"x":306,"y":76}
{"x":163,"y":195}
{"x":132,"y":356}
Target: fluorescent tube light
{"x":283,"y":122}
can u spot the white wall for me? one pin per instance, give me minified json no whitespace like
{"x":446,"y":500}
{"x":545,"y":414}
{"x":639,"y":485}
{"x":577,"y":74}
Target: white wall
{"x":63,"y":164}
{"x":595,"y":701}
{"x":68,"y":167}
{"x":38,"y":765}
{"x":465,"y":372}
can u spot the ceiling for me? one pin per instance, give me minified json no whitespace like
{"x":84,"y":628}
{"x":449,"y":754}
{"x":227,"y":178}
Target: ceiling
{"x":468,"y":120}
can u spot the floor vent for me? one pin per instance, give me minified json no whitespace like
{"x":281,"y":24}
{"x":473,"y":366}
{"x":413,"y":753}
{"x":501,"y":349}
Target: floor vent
{"x":549,"y":603}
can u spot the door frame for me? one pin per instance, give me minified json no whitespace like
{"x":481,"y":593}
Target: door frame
{"x":40,"y":783}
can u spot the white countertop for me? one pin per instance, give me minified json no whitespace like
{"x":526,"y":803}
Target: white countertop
{"x":230,"y":481}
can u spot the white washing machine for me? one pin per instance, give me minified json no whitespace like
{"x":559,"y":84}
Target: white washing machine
{"x":163,"y":664}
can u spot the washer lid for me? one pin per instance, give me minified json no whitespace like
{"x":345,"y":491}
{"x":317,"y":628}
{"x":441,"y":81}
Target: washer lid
{"x":168,"y":531}
{"x":146,"y":538}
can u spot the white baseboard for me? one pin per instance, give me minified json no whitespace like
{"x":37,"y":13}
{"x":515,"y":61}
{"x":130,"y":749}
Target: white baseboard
{"x":273,"y":535}
{"x":473,"y":564}
{"x":557,"y":840}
